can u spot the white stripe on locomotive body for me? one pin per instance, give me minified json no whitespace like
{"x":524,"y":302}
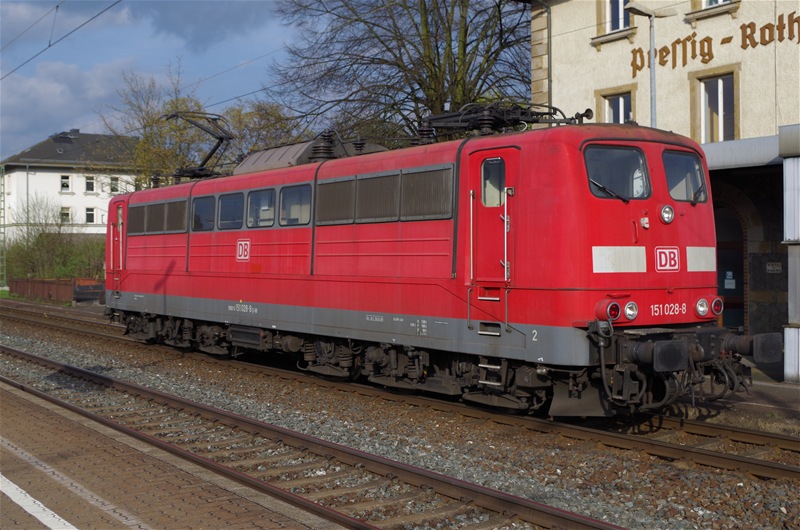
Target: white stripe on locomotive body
{"x":633,"y":259}
{"x":618,"y":259}
{"x":701,"y":259}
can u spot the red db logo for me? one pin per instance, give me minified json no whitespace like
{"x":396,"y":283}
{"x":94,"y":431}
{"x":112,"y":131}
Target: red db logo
{"x":243,"y":250}
{"x":667,"y":259}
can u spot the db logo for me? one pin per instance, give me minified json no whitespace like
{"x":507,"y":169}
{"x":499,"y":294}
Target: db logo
{"x":243,"y":250}
{"x":667,"y":259}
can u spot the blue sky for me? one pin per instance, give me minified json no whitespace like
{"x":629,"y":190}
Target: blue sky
{"x":224,"y":48}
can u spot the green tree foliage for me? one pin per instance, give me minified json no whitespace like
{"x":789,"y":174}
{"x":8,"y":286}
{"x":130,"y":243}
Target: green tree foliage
{"x":397,"y":62}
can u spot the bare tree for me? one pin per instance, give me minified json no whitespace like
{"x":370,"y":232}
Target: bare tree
{"x":400,"y":60}
{"x":45,"y":243}
{"x":163,"y":145}
{"x":258,"y":125}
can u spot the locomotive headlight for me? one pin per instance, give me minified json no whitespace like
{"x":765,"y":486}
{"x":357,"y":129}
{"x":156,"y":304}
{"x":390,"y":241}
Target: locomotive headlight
{"x":717,"y":306}
{"x":613,"y":311}
{"x":631,"y":310}
{"x":667,"y":214}
{"x":701,"y":307}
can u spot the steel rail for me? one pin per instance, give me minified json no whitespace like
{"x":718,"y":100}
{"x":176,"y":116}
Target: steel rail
{"x":500,"y":502}
{"x":753,"y":466}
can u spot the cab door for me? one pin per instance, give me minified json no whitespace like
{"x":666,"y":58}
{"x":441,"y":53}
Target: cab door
{"x":115,"y":258}
{"x":493,"y":178}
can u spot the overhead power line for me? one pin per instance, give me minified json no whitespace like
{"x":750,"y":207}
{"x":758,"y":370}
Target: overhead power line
{"x":50,"y":45}
{"x":9,"y":43}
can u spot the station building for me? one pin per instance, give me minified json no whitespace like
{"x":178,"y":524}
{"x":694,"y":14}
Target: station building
{"x":727,"y":74}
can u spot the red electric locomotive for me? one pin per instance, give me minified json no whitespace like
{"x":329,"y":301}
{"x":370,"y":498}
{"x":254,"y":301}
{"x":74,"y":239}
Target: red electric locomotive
{"x":570,"y":269}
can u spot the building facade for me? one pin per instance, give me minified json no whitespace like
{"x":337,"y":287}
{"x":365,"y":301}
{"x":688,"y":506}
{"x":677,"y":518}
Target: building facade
{"x":727,"y":74}
{"x":64,"y":181}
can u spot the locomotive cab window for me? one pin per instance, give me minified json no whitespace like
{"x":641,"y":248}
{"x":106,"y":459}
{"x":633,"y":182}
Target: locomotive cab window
{"x":685,"y":178}
{"x":617,"y":173}
{"x":260,"y":208}
{"x":295,"y":205}
{"x":230,"y":211}
{"x":493,"y":182}
{"x":203,"y":214}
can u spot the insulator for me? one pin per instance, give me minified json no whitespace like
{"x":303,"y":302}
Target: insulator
{"x":486,"y":123}
{"x":425,"y":134}
{"x":154,"y":181}
{"x":323,"y":149}
{"x":359,"y":145}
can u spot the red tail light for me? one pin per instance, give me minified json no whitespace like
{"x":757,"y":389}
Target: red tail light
{"x":717,"y":306}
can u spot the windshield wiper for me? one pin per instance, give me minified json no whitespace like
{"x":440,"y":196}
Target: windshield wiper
{"x":610,"y":193}
{"x":696,"y":195}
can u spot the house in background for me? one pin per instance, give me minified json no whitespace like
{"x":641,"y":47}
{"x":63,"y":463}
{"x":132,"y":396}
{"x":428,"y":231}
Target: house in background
{"x":725,"y":73}
{"x":66,"y":180}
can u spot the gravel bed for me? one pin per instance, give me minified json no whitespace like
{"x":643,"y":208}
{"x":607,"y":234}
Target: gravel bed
{"x":627,"y":489}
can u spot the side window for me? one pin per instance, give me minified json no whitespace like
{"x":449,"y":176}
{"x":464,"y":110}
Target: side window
{"x":135,"y":220}
{"x":203,"y":214}
{"x":685,"y":178}
{"x":260,"y":208}
{"x":427,"y":194}
{"x":176,"y":216}
{"x":230,"y":211}
{"x":617,"y":172}
{"x":155,"y":217}
{"x":295,"y":205}
{"x":493,"y":182}
{"x":378,"y":199}
{"x":336,"y":202}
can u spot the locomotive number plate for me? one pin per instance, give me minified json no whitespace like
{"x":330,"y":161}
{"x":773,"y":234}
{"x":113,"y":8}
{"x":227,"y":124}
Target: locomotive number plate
{"x":663,"y":310}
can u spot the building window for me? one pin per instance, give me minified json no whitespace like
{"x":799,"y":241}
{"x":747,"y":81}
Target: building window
{"x":89,"y":216}
{"x":618,"y":108}
{"x":712,"y":3}
{"x":113,"y":185}
{"x":616,"y":16}
{"x":64,"y":183}
{"x":66,"y":217}
{"x":89,"y":184}
{"x":717,"y":122}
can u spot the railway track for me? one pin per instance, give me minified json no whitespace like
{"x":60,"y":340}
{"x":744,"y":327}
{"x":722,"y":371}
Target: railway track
{"x":350,"y":487}
{"x":761,"y":455}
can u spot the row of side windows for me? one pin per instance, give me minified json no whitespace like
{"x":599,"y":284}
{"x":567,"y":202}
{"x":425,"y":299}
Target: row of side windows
{"x":398,"y":196}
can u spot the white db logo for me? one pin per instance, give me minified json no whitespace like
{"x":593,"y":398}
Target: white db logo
{"x":243,"y":250}
{"x":668,"y":259}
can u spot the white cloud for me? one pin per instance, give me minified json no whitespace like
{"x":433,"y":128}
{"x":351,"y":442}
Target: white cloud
{"x":57,"y":97}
